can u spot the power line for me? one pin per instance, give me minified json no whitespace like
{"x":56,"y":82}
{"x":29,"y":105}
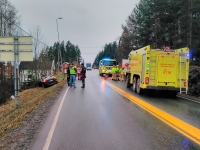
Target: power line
{"x":90,"y":47}
{"x":22,"y":30}
{"x":89,"y":53}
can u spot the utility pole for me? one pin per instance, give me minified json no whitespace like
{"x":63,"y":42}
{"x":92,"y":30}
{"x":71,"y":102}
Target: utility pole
{"x":16,"y":88}
{"x":59,"y":51}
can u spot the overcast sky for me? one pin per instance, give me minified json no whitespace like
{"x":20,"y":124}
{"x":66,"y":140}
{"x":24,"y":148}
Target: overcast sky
{"x":90,"y":24}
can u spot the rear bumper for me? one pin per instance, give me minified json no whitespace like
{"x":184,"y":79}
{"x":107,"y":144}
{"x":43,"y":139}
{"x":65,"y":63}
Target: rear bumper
{"x":167,"y":88}
{"x":50,"y":83}
{"x":106,"y":72}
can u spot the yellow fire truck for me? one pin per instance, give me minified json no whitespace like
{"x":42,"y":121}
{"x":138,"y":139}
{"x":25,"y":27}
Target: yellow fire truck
{"x":105,"y":66}
{"x":158,"y":69}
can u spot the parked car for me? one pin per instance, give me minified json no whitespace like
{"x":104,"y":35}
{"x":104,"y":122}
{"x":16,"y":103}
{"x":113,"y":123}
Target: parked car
{"x":47,"y":81}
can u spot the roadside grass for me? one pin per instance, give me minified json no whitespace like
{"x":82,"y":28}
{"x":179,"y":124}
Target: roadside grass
{"x":11,"y":118}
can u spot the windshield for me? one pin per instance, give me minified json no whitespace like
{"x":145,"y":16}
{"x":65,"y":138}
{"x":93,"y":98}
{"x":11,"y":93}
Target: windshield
{"x":88,"y":64}
{"x":109,"y":63}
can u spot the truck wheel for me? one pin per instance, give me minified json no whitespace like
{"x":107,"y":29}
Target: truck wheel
{"x":173,"y":94}
{"x":134,"y":84}
{"x":128,"y":85}
{"x":138,"y":89}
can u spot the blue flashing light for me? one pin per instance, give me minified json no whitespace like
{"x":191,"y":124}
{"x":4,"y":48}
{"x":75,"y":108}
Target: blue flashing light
{"x":187,"y":55}
{"x":106,"y":59}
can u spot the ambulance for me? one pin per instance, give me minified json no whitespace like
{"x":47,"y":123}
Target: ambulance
{"x":158,"y":69}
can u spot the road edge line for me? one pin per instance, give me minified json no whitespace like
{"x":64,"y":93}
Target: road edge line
{"x":51,"y":131}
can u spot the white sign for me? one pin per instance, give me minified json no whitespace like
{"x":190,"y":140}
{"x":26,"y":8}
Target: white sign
{"x":23,"y":46}
{"x":22,"y":56}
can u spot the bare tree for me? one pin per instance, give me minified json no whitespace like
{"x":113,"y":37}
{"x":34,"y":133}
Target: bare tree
{"x":8,"y":19}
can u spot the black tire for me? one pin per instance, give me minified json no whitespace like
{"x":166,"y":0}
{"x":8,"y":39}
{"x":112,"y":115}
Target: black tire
{"x":138,"y":89}
{"x":39,"y":84}
{"x":44,"y":86}
{"x":128,"y":85}
{"x":173,"y":94}
{"x":134,"y":84}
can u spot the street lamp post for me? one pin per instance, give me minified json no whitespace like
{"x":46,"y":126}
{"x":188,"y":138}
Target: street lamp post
{"x":58,"y":45}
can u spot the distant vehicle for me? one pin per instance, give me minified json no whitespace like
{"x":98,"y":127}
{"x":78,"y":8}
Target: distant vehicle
{"x":105,"y":66}
{"x":88,"y":66}
{"x":47,"y":81}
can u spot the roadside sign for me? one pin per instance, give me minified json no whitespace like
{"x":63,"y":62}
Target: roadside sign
{"x":16,"y":49}
{"x":21,"y":46}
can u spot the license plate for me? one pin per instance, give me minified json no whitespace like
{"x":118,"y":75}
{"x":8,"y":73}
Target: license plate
{"x":108,"y":70}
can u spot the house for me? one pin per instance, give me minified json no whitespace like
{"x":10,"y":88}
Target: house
{"x":34,"y":70}
{"x":7,"y":70}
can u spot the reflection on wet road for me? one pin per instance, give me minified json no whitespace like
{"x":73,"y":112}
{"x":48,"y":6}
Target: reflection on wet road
{"x":186,"y":129}
{"x":107,"y":115}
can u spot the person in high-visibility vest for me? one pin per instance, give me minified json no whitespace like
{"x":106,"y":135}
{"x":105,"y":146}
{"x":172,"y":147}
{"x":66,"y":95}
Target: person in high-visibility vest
{"x":117,"y":72}
{"x":114,"y":77}
{"x":72,"y":71}
{"x":122,"y":73}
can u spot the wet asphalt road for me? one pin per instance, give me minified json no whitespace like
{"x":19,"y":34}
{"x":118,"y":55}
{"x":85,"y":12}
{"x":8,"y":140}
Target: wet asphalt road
{"x":99,"y":118}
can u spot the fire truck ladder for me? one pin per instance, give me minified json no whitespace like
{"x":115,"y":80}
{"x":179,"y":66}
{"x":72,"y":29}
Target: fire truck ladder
{"x":183,"y":75}
{"x":152,"y":72}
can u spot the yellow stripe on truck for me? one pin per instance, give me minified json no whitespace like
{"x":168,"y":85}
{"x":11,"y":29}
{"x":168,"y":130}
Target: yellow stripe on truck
{"x":184,"y":128}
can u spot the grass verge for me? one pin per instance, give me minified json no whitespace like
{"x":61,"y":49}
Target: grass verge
{"x":11,"y":118}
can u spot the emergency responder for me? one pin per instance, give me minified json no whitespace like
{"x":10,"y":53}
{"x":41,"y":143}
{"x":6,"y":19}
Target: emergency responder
{"x":79,"y":72}
{"x":117,"y":72}
{"x":72,"y":70}
{"x":122,"y":73}
{"x":114,"y":77}
{"x":83,"y":75}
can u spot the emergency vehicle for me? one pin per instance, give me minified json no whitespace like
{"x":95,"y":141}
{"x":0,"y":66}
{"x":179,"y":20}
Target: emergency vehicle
{"x":105,"y":66}
{"x":159,"y":69}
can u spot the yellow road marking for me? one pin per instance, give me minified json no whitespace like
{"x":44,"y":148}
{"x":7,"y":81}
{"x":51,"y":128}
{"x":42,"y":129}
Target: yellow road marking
{"x":184,"y":128}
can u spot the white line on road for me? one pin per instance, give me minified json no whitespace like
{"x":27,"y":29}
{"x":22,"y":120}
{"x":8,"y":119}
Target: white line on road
{"x":49,"y":137}
{"x":189,"y":99}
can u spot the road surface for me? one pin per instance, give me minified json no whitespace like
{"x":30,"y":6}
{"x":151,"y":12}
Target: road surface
{"x":108,"y":116}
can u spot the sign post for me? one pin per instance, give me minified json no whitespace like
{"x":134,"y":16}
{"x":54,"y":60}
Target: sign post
{"x":16,"y":49}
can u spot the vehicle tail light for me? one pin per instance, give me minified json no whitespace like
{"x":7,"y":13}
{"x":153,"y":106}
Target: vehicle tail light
{"x":44,"y":80}
{"x":54,"y":78}
{"x":185,"y":83}
{"x":146,"y":80}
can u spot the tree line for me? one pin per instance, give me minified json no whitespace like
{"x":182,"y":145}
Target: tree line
{"x":67,"y":52}
{"x":158,"y":23}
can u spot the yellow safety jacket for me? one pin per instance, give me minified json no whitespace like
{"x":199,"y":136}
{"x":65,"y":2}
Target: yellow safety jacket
{"x":113,"y":70}
{"x":72,"y":70}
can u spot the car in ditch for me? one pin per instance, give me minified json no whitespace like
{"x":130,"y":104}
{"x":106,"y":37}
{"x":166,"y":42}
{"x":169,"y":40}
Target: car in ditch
{"x":47,"y":81}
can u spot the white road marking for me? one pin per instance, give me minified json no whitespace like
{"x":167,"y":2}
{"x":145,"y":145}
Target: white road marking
{"x":51,"y":131}
{"x":189,"y":99}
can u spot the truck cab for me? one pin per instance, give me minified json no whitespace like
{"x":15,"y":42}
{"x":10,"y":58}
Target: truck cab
{"x":105,"y":66}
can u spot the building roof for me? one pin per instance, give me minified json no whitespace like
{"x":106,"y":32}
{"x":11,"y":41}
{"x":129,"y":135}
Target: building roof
{"x":24,"y":65}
